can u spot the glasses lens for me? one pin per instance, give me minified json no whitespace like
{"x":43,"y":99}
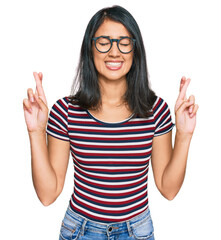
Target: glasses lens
{"x":126,"y":45}
{"x":103,"y":44}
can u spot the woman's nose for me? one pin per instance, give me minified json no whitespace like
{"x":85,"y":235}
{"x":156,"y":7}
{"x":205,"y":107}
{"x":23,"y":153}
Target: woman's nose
{"x":114,"y":51}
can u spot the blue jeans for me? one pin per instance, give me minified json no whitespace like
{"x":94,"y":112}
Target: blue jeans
{"x":75,"y":227}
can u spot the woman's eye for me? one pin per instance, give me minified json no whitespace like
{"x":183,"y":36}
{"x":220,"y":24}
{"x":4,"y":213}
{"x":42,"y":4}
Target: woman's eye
{"x":125,"y":42}
{"x":103,"y":44}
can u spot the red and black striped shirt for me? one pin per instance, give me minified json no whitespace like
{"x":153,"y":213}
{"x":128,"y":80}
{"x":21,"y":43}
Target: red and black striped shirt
{"x":111,"y":160}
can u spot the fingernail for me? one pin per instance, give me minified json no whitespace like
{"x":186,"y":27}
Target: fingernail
{"x":32,"y":99}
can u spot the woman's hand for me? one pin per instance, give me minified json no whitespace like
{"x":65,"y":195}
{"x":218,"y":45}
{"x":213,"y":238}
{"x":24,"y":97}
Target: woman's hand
{"x":185,"y":110}
{"x":35,"y":107}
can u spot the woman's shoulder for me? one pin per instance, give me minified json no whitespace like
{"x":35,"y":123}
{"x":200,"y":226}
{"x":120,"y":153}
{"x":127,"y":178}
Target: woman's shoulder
{"x":65,"y":100}
{"x":159,"y":104}
{"x":61,"y":103}
{"x":68,"y":102}
{"x":157,"y":101}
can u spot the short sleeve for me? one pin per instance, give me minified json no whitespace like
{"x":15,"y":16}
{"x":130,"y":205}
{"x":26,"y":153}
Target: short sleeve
{"x":162,"y":116}
{"x":57,"y":125}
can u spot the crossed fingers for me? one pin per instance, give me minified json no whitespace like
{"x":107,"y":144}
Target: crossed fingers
{"x":183,"y":102}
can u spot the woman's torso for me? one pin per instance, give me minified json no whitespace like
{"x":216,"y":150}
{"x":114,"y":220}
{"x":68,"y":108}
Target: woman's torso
{"x":111,"y":160}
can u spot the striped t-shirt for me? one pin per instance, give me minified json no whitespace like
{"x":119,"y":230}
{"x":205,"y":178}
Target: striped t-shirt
{"x":111,"y":160}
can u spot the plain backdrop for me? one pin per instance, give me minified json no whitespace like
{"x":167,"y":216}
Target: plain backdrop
{"x":182,"y":38}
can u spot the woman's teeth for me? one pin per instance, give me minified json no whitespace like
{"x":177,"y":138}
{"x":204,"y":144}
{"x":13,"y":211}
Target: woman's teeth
{"x":114,"y":64}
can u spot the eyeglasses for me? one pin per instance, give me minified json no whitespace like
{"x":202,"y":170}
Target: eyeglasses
{"x":103,"y":44}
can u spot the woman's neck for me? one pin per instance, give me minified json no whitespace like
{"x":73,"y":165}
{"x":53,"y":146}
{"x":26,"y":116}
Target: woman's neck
{"x":112,"y":91}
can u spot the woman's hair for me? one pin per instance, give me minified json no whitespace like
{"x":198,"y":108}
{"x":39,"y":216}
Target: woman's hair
{"x":139,"y":96}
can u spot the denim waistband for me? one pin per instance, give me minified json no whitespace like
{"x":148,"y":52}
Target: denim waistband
{"x":108,"y":227}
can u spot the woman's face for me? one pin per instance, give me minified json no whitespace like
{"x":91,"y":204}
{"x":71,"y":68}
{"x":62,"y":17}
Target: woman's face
{"x":112,"y":65}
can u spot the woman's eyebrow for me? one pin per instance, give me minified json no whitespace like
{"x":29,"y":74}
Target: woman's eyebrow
{"x":105,"y":36}
{"x":110,"y":37}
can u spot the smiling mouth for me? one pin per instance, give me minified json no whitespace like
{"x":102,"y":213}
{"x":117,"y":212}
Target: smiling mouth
{"x":114,"y":65}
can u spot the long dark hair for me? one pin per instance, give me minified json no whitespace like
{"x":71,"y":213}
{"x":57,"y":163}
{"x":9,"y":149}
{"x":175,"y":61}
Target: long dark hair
{"x":139,"y":96}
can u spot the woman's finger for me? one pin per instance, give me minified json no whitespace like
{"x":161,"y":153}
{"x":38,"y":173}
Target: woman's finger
{"x":195,"y":109}
{"x":40,"y":75}
{"x":183,"y":88}
{"x":27,"y":105}
{"x":30,"y":95}
{"x":192,"y":99}
{"x":39,"y":88}
{"x":38,"y":84}
{"x":191,"y":109}
{"x":182,"y":82}
{"x":41,"y":103}
{"x":184,"y":105}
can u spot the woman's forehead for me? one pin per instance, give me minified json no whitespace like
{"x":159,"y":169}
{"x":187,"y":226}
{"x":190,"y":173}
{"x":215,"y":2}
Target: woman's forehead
{"x":112,"y":29}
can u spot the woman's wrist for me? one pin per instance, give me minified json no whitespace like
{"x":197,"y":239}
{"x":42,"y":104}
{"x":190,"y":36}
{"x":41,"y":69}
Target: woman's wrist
{"x":37,"y":133}
{"x":182,"y":140}
{"x":183,"y":135}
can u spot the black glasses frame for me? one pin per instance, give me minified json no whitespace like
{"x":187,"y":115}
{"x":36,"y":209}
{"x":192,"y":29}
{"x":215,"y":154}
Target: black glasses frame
{"x":114,"y":40}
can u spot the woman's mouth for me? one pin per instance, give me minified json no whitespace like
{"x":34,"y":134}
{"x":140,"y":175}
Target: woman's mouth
{"x":114,"y":65}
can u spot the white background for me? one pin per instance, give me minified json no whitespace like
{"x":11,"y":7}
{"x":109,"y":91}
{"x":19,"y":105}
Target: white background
{"x":181,"y":38}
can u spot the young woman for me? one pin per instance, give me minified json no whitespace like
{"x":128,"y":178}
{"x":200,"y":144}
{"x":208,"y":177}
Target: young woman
{"x":113,"y":126}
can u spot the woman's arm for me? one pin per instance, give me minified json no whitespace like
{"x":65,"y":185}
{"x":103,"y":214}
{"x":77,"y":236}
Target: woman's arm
{"x":49,"y":165}
{"x":169,"y":164}
{"x":49,"y":161}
